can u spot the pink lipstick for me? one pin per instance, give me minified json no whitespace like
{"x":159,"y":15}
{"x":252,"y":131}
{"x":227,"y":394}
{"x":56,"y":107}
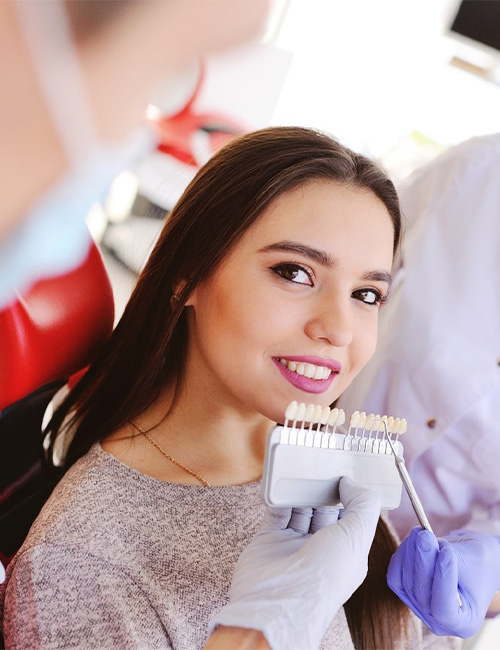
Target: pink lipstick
{"x":307,"y":384}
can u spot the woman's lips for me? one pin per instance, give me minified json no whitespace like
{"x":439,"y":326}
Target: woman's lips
{"x":322,"y":372}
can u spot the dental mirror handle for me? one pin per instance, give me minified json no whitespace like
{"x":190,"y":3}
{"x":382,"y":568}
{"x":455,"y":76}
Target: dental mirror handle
{"x":413,"y":496}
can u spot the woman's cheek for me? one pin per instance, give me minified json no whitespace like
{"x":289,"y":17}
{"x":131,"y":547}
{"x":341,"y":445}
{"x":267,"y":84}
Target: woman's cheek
{"x":370,"y":345}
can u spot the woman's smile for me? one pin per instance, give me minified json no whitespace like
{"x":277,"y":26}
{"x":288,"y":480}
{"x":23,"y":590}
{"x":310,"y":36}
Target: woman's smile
{"x":310,"y":374}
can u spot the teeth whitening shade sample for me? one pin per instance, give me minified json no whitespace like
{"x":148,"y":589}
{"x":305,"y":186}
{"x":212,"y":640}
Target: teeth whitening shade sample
{"x":307,"y":456}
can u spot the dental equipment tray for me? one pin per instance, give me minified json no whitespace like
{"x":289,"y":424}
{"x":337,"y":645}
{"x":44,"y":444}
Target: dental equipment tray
{"x":303,"y":467}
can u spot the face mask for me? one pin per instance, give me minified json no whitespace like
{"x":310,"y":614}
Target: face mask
{"x":53,"y":238}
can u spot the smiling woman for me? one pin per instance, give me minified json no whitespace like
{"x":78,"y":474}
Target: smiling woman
{"x":293,"y":291}
{"x":264,"y":287}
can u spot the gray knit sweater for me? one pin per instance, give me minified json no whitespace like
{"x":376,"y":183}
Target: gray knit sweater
{"x":120,"y":560}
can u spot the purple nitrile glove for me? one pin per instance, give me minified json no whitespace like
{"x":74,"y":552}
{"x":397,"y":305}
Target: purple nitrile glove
{"x":427,"y":574}
{"x":300,"y":568}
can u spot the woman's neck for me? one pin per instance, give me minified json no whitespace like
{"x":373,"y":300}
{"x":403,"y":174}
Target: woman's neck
{"x":219,"y":443}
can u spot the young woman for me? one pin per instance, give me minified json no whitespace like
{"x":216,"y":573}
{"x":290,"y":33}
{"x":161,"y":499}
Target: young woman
{"x":264,"y":288}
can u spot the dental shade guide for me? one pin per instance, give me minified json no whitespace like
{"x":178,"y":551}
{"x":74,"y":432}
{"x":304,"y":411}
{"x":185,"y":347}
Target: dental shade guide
{"x":307,"y":455}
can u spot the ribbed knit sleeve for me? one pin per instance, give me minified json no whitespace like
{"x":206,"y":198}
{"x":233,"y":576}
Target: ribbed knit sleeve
{"x":60,"y":598}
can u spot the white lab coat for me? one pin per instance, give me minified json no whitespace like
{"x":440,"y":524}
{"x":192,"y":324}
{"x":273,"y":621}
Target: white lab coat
{"x":438,"y":359}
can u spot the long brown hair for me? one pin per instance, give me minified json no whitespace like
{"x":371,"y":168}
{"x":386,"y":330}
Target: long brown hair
{"x":147,"y":350}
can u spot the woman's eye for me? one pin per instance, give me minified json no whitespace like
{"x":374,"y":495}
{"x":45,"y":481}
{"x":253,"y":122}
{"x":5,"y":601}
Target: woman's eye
{"x":370,"y":296}
{"x":293,"y":273}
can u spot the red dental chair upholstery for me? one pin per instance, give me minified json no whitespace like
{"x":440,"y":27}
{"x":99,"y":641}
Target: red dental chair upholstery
{"x":48,"y":335}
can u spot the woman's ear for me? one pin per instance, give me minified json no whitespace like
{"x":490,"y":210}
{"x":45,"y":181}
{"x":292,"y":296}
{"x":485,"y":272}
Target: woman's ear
{"x":178,"y":289}
{"x":190,"y":302}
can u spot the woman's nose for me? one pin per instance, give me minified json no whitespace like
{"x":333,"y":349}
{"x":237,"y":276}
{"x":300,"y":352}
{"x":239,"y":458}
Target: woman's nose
{"x":332,"y":322}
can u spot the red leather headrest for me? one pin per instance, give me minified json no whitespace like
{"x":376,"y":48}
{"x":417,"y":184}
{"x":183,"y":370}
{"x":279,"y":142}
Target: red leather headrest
{"x":55,"y":329}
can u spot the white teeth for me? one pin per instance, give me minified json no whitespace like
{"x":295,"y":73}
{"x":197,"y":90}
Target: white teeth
{"x":318,"y":372}
{"x":307,"y":369}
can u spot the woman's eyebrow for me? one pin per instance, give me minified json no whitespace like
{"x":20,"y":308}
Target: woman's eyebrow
{"x":323,"y":258}
{"x":378,"y":276}
{"x":314,"y":254}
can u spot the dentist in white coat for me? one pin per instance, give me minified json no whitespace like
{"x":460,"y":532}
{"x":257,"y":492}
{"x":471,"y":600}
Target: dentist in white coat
{"x":438,"y":359}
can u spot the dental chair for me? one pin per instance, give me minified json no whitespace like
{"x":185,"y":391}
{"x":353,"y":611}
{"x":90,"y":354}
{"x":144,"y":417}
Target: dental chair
{"x":47,"y":336}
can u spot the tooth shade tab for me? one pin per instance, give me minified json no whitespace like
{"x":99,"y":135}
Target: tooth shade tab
{"x":332,"y":420}
{"x":315,"y":426}
{"x":325,"y":414}
{"x":309,"y":414}
{"x":301,"y":409}
{"x":318,"y":412}
{"x":291,"y":410}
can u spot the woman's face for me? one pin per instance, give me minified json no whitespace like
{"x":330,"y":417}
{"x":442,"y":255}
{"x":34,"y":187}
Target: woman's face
{"x":292,"y":311}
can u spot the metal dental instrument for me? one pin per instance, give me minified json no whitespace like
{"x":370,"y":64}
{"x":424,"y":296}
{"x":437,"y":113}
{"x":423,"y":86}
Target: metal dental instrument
{"x":407,"y":482}
{"x":415,"y":501}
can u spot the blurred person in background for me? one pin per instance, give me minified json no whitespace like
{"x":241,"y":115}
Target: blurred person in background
{"x":438,"y":359}
{"x":76,"y":79}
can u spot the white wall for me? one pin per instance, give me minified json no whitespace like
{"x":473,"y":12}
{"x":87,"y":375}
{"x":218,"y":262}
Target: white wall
{"x":373,"y":71}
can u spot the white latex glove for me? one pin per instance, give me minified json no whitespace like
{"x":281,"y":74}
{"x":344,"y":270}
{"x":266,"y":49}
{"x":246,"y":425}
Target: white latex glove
{"x":290,"y":582}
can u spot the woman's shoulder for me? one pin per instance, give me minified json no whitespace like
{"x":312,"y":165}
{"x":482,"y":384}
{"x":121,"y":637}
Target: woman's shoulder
{"x":85,"y":499}
{"x":70,"y":597}
{"x":102,"y":504}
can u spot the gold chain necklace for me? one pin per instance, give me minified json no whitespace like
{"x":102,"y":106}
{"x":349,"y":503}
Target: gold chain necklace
{"x":168,"y":456}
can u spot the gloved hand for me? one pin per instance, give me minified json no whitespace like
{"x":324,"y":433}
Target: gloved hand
{"x":300,"y":568}
{"x":427,"y":573}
